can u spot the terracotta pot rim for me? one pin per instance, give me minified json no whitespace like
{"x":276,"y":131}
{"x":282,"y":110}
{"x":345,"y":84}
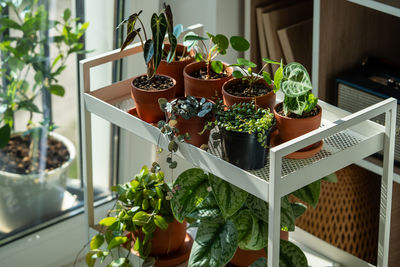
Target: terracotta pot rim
{"x":153,"y":91}
{"x":288,"y":118}
{"x":242,"y":97}
{"x":178,"y":62}
{"x":187,"y":75}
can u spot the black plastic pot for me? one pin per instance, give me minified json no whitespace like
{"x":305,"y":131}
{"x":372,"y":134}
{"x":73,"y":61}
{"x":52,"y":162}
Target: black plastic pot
{"x":243,"y":150}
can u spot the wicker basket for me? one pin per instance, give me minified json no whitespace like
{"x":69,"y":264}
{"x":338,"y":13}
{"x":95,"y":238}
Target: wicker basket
{"x":347,"y":215}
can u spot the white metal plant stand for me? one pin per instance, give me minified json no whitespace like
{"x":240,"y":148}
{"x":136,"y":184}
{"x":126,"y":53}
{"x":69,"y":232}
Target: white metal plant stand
{"x":346,"y":140}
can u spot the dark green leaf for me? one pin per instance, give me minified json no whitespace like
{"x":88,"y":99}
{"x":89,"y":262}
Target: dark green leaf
{"x":287,"y":215}
{"x":291,"y":255}
{"x":169,"y":17}
{"x":90,"y":262}
{"x":9,"y":23}
{"x":221,"y":41}
{"x":117,"y":241}
{"x":254,"y":233}
{"x":239,"y":43}
{"x":39,"y":77}
{"x":229,"y":197}
{"x":192,"y":184}
{"x":193,"y":37}
{"x":148,"y":50}
{"x":96,"y":241}
{"x":310,"y":193}
{"x":158,"y":29}
{"x":217,"y":66}
{"x":298,"y":209}
{"x":56,"y":89}
{"x":28,"y":105}
{"x":215,"y":244}
{"x":208,"y":209}
{"x":261,"y":262}
{"x":269,"y":61}
{"x":129,"y":39}
{"x":173,"y":43}
{"x":5,"y":133}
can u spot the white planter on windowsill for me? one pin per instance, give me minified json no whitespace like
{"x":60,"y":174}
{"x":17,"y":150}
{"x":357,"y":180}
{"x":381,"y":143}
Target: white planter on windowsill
{"x":29,"y":198}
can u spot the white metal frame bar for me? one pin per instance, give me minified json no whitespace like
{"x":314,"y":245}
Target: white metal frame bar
{"x":380,"y":6}
{"x":280,"y":187}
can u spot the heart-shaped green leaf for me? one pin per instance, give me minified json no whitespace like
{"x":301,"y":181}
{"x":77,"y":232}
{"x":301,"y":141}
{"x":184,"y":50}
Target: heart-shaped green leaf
{"x":309,"y":193}
{"x":217,"y":66}
{"x":246,"y":63}
{"x":117,"y":241}
{"x":295,"y":81}
{"x":96,"y":241}
{"x":148,"y":50}
{"x":239,"y":43}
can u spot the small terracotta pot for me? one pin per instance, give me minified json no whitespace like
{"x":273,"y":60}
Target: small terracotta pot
{"x":290,"y":128}
{"x":203,"y":88}
{"x":194,"y":126}
{"x":166,"y":241}
{"x":264,"y":101}
{"x":244,"y":258}
{"x":175,"y":69}
{"x":146,"y":101}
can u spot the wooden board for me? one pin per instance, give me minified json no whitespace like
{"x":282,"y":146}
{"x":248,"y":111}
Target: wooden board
{"x":296,"y":43}
{"x":262,"y":41}
{"x":280,"y":18}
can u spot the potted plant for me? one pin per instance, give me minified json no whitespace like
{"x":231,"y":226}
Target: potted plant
{"x":143,"y":221}
{"x":175,"y":56}
{"x":229,"y":218}
{"x":299,"y":112}
{"x":206,"y":77}
{"x":243,"y":130}
{"x":34,"y":163}
{"x":148,"y":88}
{"x":189,"y":115}
{"x":249,"y":86}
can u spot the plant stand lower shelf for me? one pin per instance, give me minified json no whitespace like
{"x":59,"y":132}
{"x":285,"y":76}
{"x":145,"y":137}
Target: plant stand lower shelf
{"x":346,"y":140}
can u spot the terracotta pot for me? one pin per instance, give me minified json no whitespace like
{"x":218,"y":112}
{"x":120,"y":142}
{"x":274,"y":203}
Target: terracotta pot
{"x":290,"y":128}
{"x":244,"y":258}
{"x":203,"y":88}
{"x":175,"y":69}
{"x":165,"y":242}
{"x":146,"y":101}
{"x":194,"y":126}
{"x":264,"y":101}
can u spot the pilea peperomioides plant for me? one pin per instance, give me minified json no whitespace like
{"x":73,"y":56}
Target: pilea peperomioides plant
{"x":218,"y":44}
{"x":228,"y":217}
{"x":296,"y":85}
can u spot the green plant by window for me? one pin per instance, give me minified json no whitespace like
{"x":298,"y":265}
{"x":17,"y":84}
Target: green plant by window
{"x":143,"y":205}
{"x":161,"y":24}
{"x":248,"y":75}
{"x":24,"y":56}
{"x":218,"y":44}
{"x":296,"y":85}
{"x":245,"y":117}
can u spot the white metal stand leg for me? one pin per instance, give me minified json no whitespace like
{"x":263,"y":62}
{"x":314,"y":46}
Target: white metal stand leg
{"x":386,"y":187}
{"x":274,"y":205}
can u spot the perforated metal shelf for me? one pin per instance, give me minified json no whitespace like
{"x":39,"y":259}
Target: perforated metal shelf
{"x":331,"y":145}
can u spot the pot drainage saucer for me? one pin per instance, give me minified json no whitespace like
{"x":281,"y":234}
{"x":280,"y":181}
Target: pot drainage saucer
{"x":176,"y":258}
{"x":133,"y":112}
{"x":303,"y":153}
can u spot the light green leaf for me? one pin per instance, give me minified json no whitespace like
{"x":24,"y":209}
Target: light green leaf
{"x":96,"y":241}
{"x":295,"y":81}
{"x":277,"y":79}
{"x":267,"y":77}
{"x":141,"y":218}
{"x":237,"y":74}
{"x":310,"y":193}
{"x":192,"y":184}
{"x":160,"y":222}
{"x":107,"y":222}
{"x":245,"y":62}
{"x":217,"y":66}
{"x":331,"y":178}
{"x":215,"y":244}
{"x":67,"y":14}
{"x":117,"y":241}
{"x":270,"y":61}
{"x":198,"y":57}
{"x":229,"y":197}
{"x":121,"y":262}
{"x":90,"y":262}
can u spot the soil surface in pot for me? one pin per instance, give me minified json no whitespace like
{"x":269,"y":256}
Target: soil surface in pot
{"x":202,"y":74}
{"x":15,"y":156}
{"x":158,"y":82}
{"x":312,"y":113}
{"x":242,"y":89}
